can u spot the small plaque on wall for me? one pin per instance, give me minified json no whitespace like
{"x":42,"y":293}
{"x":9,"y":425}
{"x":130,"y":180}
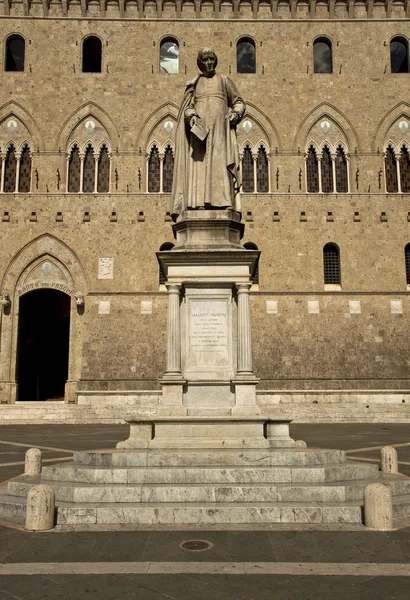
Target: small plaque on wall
{"x":146,"y":307}
{"x":396,"y":307}
{"x":355,"y":307}
{"x":272,"y":307}
{"x":313,"y":307}
{"x":104,"y":307}
{"x":106,"y":268}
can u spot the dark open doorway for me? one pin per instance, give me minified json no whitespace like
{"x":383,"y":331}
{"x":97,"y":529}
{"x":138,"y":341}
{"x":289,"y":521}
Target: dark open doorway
{"x":42,"y":347}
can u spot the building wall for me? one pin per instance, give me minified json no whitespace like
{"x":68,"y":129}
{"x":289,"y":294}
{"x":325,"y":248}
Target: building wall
{"x":130,"y":101}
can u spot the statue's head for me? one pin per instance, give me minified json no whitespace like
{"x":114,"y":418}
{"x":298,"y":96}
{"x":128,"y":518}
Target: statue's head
{"x":207,"y":61}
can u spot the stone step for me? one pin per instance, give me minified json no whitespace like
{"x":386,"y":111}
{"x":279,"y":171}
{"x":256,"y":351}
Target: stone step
{"x":198,"y":492}
{"x":204,"y":475}
{"x":190,"y":513}
{"x":209,"y":458}
{"x":401,"y":506}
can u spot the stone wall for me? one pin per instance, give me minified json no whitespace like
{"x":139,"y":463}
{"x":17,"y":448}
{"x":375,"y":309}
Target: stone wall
{"x":332,"y":347}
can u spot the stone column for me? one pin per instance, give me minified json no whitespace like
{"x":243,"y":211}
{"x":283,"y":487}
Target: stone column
{"x":244,"y":381}
{"x":82,"y":157}
{"x":244,"y":330}
{"x":319,"y":173}
{"x":172,"y":381}
{"x":96,"y":157}
{"x":18,"y":157}
{"x":334,"y":173}
{"x":174,"y":331}
{"x":3,"y":170}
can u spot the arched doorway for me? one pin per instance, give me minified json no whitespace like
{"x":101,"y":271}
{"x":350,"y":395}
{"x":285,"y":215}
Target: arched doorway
{"x":43,"y":345}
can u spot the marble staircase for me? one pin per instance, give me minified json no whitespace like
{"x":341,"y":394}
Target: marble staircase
{"x":208,"y":486}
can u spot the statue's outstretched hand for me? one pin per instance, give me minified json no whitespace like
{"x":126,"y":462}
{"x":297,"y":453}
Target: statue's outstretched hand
{"x":232,"y":117}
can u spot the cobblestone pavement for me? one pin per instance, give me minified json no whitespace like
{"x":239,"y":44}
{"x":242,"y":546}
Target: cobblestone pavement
{"x":277,"y":563}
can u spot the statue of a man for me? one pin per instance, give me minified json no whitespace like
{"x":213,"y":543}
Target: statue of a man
{"x":206,"y":168}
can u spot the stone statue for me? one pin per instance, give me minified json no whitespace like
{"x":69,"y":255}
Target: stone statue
{"x":206,"y":168}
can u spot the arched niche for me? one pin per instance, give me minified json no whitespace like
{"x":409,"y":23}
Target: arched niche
{"x":46,"y":263}
{"x":326,"y":112}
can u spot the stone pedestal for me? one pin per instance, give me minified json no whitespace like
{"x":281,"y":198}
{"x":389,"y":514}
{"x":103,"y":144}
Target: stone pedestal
{"x":207,"y":432}
{"x":209,"y":349}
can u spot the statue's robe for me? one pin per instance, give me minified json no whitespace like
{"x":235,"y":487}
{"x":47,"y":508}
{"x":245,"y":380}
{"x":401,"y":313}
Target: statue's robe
{"x":207,"y":173}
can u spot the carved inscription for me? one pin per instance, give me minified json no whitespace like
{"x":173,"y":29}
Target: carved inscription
{"x":209,"y":332}
{"x":55,"y":285}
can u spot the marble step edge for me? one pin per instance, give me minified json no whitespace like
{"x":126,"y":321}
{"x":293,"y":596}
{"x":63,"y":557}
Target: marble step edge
{"x":194,"y":513}
{"x":198,"y":493}
{"x":240,"y":473}
{"x":205,"y":457}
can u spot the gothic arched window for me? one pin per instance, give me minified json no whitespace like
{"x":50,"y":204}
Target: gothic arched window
{"x":89,"y":171}
{"x":10,"y":171}
{"x":312,"y":171}
{"x":74,"y":168}
{"x":154,"y":171}
{"x":399,"y":55}
{"x":342,"y":181}
{"x":327,"y":171}
{"x":169,"y":56}
{"x":164,"y":248}
{"x":246,"y":56}
{"x":262,"y":171}
{"x":391,"y":171}
{"x":255,"y":277}
{"x":248,"y":177}
{"x":25,"y":170}
{"x":167,"y":170}
{"x":404,"y":170}
{"x":322,"y":55}
{"x":407,"y":262}
{"x":15,"y":50}
{"x":331,"y":264}
{"x":92,"y":55}
{"x":103,"y":176}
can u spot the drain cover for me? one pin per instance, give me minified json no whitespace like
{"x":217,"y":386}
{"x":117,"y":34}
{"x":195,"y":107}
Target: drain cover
{"x":196,"y":545}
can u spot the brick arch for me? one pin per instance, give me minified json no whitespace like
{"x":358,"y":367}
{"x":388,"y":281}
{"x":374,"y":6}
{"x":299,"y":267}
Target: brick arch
{"x":326,"y":111}
{"x":13,"y":109}
{"x":400,"y":110}
{"x":90,"y":109}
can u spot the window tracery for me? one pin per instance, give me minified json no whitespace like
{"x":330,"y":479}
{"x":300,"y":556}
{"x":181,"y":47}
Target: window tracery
{"x":88,"y":169}
{"x":255,"y":169}
{"x":160,"y":168}
{"x":327,"y":169}
{"x":15,"y":167}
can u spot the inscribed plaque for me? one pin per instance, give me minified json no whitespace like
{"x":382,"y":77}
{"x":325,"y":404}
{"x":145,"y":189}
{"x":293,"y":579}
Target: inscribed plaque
{"x":208,"y":333}
{"x":105,"y":268}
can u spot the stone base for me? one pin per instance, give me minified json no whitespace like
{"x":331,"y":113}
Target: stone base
{"x":208,"y":228}
{"x":171,"y":403}
{"x":208,"y":432}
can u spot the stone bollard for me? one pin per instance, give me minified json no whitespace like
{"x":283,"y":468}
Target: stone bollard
{"x":378,"y":507}
{"x":40,"y":508}
{"x":389,"y":460}
{"x":300,"y":444}
{"x":32,"y":464}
